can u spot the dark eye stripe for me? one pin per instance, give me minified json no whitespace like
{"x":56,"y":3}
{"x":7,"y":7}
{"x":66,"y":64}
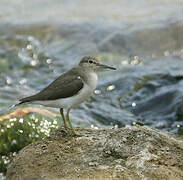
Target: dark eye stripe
{"x":90,"y":62}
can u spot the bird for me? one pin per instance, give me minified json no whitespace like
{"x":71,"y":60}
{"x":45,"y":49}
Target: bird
{"x":70,"y":89}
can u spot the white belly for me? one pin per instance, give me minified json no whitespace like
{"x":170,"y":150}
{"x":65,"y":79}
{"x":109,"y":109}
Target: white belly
{"x":72,"y":102}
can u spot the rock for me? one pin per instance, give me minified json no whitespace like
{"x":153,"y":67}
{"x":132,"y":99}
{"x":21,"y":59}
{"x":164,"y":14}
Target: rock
{"x":132,"y":152}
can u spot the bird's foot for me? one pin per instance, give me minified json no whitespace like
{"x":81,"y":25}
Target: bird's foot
{"x":77,"y":135}
{"x":73,"y":132}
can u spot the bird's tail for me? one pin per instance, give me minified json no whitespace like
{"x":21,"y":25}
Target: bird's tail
{"x":15,"y":105}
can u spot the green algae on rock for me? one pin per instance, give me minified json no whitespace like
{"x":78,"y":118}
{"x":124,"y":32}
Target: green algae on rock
{"x":17,"y":133}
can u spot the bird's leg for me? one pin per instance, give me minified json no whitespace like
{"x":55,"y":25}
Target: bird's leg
{"x":68,"y":119}
{"x":62,"y":114}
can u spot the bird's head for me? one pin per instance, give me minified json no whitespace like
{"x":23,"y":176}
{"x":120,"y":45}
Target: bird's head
{"x":92,"y":63}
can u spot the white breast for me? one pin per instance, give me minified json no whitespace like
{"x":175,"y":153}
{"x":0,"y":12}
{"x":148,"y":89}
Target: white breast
{"x":73,"y":101}
{"x":93,"y":80}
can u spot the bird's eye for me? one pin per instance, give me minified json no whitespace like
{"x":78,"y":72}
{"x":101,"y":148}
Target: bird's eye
{"x":90,"y":62}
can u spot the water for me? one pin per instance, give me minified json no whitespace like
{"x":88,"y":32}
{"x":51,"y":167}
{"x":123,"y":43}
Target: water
{"x":143,"y":39}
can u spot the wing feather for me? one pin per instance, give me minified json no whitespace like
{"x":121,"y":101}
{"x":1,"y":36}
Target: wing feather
{"x":67,"y":85}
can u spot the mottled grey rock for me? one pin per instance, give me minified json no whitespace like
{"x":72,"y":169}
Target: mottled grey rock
{"x":132,"y":152}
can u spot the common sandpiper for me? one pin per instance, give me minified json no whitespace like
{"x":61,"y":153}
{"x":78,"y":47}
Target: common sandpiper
{"x":70,"y":89}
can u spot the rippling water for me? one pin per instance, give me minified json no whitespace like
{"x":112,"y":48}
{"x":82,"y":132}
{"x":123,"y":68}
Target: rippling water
{"x":143,"y":39}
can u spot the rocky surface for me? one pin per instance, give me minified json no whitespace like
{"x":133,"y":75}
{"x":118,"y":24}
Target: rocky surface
{"x":132,"y":152}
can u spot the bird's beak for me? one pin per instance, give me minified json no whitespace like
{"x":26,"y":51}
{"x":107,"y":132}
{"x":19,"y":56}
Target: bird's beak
{"x":106,"y":66}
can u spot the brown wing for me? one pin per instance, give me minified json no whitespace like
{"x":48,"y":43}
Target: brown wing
{"x":67,"y":85}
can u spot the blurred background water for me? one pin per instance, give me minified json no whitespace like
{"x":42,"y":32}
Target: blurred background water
{"x":39,"y":40}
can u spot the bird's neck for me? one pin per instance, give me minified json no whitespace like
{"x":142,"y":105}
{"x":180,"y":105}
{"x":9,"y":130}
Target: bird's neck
{"x":89,"y":76}
{"x":92,"y":79}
